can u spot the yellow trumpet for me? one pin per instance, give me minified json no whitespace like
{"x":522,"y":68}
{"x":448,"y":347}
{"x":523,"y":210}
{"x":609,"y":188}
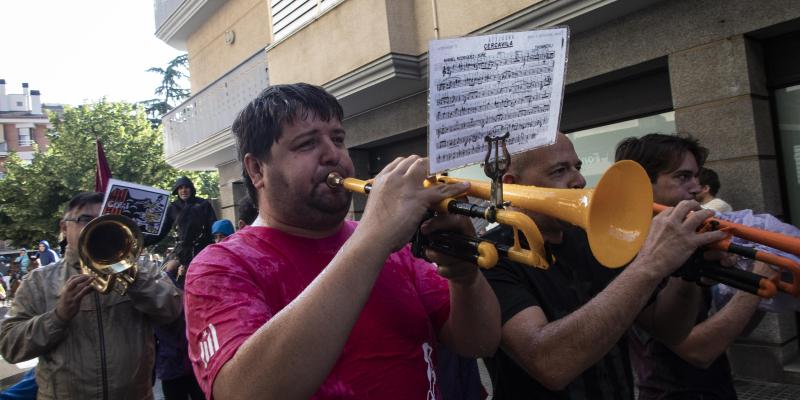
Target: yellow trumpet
{"x":616,"y":214}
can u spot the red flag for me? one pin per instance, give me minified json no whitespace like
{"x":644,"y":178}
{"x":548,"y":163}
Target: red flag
{"x":103,"y":173}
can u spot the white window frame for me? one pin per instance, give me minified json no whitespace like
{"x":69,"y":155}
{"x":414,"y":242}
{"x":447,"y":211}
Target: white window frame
{"x":24,"y":134}
{"x":289,"y":16}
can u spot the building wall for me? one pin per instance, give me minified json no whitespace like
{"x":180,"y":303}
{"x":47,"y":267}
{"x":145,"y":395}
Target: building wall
{"x":327,"y":50}
{"x":229,"y":174}
{"x":716,"y":76}
{"x":210,"y":56}
{"x":460,"y":17}
{"x":38,"y":135}
{"x":11,"y":135}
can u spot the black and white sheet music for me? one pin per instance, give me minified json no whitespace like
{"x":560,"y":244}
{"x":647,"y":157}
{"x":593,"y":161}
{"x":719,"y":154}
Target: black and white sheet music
{"x":490,"y":85}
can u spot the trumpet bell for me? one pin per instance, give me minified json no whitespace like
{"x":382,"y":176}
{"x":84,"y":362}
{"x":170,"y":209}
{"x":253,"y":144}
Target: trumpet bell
{"x":619,"y":215}
{"x":108,"y":247}
{"x":616,"y":214}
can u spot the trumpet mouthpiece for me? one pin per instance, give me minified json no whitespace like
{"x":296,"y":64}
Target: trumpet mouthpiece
{"x":334,"y":180}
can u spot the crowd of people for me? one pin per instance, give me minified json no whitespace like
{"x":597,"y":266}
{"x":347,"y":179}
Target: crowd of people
{"x":297,"y":301}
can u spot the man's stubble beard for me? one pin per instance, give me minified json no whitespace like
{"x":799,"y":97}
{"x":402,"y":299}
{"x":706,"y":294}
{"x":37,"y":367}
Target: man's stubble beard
{"x":315,"y":213}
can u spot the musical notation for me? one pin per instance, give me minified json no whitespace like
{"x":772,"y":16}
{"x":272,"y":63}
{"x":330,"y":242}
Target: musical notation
{"x":477,"y":62}
{"x":492,"y":105}
{"x":520,"y":86}
{"x":481,"y":122}
{"x":491,"y":85}
{"x":481,"y":78}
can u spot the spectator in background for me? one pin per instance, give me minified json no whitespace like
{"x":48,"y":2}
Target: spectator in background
{"x":23,"y":261}
{"x":192,"y":217}
{"x":709,"y":186}
{"x":221,"y":229}
{"x":247,"y":212}
{"x":46,"y":255}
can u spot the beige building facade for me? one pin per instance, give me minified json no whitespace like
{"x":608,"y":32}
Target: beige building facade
{"x":726,"y":71}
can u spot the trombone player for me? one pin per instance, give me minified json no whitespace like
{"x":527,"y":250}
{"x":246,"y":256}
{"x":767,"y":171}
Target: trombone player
{"x":696,"y":367}
{"x":564,"y":329}
{"x":90,"y":345}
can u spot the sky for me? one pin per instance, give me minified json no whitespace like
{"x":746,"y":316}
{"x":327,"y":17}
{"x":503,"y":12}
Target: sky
{"x":79,"y":51}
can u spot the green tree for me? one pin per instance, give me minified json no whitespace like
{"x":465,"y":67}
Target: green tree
{"x":169,"y":92}
{"x":32,"y":195}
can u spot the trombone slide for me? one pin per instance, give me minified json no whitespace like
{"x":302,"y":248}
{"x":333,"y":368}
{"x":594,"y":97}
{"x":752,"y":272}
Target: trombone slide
{"x":784,"y":243}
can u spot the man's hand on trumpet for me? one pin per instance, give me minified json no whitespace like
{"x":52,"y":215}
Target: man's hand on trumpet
{"x":398,"y":201}
{"x":452,"y":268}
{"x":673,"y":238}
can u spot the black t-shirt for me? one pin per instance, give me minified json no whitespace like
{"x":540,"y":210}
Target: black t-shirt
{"x":662,"y":374}
{"x":573,"y":279}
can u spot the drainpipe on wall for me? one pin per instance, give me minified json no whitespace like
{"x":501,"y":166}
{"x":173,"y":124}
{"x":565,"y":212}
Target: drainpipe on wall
{"x":435,"y":20}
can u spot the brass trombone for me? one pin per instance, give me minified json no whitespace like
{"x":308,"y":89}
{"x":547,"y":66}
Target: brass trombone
{"x":616,"y":214}
{"x":108,"y":247}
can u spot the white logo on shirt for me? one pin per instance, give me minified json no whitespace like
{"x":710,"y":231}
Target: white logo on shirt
{"x":427,"y":351}
{"x":208,"y":344}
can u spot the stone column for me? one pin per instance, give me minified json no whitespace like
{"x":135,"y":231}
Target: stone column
{"x":229,"y":174}
{"x":719,"y":95}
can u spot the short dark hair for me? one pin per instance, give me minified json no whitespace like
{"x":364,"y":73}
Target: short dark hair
{"x":659,"y":153}
{"x":710,"y":178}
{"x":83,"y":199}
{"x":247,"y":210}
{"x":260,"y":123}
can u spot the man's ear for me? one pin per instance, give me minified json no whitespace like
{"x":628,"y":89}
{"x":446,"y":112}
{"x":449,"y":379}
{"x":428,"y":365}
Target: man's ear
{"x":63,"y":226}
{"x":253,"y":167}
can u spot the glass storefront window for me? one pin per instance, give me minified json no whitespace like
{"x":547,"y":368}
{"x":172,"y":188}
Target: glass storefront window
{"x":787,"y":101}
{"x":596,"y":146}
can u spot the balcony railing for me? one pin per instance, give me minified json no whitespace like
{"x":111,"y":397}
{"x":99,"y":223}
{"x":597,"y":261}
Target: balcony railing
{"x":213,"y":109}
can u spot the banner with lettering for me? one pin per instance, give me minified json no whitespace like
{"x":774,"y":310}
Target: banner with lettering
{"x":145,"y":205}
{"x":492,"y":85}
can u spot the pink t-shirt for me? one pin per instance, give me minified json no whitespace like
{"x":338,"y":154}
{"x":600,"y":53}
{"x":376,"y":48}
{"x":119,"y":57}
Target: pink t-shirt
{"x":234,"y":287}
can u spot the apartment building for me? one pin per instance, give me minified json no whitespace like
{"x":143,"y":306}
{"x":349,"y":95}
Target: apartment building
{"x":727,"y":71}
{"x":23,"y":124}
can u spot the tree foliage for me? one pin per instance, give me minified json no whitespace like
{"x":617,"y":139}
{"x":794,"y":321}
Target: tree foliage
{"x":32,"y":195}
{"x":169,"y":92}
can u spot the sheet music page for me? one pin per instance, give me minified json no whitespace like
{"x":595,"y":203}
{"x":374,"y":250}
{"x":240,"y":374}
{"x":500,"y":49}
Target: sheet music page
{"x":490,"y":85}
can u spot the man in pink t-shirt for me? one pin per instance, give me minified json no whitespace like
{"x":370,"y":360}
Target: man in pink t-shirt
{"x":304,"y":304}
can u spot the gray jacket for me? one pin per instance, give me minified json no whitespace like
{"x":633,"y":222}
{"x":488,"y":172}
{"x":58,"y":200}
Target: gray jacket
{"x":105,"y":355}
